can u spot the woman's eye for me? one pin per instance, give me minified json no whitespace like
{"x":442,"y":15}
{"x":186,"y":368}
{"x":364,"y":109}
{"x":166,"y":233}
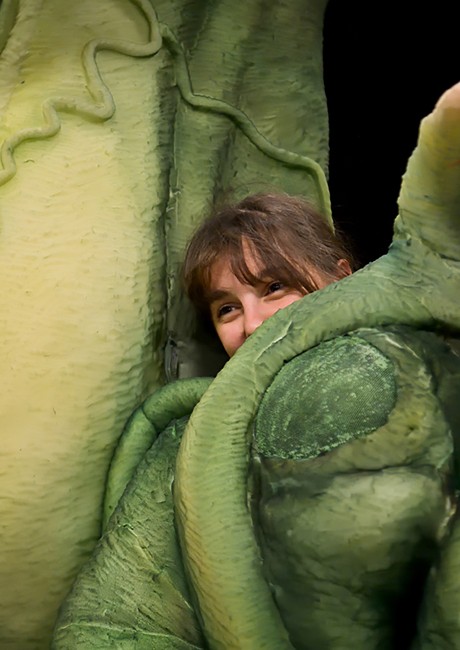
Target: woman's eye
{"x":224,"y":310}
{"x":275,"y":286}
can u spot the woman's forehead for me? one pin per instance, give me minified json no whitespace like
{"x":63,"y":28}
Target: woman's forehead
{"x":246,"y":267}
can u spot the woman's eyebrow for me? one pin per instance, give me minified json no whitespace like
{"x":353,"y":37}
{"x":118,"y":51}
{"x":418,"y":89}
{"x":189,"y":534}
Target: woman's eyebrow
{"x":265,"y":274}
{"x":217,"y":294}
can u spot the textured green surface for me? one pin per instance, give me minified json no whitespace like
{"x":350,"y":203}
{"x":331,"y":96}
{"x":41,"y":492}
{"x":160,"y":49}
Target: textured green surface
{"x":142,"y":429}
{"x":439,"y":624}
{"x":133,"y":594}
{"x":416,"y":284}
{"x":8,"y":12}
{"x":336,"y":392}
{"x":347,"y":535}
{"x":238,"y":121}
{"x":351,"y":535}
{"x":121,"y":119}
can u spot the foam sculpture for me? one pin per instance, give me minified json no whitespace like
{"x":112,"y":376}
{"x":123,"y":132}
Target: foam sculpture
{"x":305,"y":497}
{"x":120,"y":123}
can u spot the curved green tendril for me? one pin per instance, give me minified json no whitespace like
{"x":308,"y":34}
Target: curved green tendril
{"x":416,"y":284}
{"x":102,"y":106}
{"x":244,"y":123}
{"x":170,"y":402}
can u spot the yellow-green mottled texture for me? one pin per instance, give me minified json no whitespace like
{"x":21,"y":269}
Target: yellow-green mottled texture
{"x":82,"y":294}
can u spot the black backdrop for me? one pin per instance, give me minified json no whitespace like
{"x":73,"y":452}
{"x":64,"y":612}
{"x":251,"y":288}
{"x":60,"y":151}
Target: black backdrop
{"x":385,"y":65}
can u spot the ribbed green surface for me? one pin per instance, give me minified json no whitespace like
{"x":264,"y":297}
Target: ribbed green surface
{"x":170,"y":402}
{"x":132,"y":594}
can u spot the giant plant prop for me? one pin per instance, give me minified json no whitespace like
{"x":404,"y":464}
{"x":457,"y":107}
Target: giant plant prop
{"x":120,"y":122}
{"x":120,"y":126}
{"x":302,"y":521}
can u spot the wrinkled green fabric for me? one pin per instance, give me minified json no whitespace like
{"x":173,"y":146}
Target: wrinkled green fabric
{"x":133,"y":594}
{"x":351,"y":535}
{"x":347,"y":531}
{"x":416,"y":285}
{"x":121,"y":122}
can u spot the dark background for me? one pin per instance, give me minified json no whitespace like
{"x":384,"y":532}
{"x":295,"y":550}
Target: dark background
{"x":385,"y":66}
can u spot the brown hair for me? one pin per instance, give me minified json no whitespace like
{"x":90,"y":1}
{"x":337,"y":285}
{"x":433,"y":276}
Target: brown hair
{"x":286,"y":233}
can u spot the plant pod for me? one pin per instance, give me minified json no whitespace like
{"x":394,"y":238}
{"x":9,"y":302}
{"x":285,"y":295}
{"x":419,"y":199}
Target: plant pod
{"x":83,"y":285}
{"x":349,"y":436}
{"x":120,"y":122}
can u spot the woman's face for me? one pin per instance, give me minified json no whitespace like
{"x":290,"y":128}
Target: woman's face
{"x":237,"y":309}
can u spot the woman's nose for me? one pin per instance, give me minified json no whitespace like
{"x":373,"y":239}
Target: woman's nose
{"x":253,"y":317}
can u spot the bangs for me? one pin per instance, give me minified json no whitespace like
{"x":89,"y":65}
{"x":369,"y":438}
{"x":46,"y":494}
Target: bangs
{"x":264,"y":237}
{"x":233,"y":252}
{"x":268,"y":263}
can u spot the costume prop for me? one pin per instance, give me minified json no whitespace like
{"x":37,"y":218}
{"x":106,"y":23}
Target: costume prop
{"x":117,"y":133}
